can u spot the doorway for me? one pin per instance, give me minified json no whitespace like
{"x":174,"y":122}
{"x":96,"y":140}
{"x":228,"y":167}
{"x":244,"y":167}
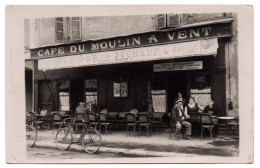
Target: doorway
{"x":177,"y":82}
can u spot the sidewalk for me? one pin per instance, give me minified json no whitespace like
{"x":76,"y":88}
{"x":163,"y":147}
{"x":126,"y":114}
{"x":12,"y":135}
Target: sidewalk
{"x":152,"y":146}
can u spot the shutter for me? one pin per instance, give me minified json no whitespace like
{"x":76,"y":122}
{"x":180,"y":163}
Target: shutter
{"x":173,"y":20}
{"x":59,"y":29}
{"x":160,"y":21}
{"x":75,"y":28}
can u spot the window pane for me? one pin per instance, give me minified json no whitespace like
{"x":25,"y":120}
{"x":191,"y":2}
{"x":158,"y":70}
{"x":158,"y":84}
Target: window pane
{"x":64,"y":97}
{"x":59,"y":29}
{"x":116,"y":89}
{"x":75,"y":28}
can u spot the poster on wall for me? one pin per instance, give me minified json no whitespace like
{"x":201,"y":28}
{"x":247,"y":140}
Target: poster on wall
{"x":159,"y":101}
{"x":116,"y":88}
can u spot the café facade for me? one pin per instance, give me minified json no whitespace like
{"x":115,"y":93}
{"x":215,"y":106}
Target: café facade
{"x":143,"y":71}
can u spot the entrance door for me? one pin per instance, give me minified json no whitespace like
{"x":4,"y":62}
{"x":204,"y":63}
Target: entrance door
{"x":177,"y":82}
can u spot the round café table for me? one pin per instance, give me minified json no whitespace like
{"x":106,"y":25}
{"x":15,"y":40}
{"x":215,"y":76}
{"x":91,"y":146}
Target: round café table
{"x":226,"y":119}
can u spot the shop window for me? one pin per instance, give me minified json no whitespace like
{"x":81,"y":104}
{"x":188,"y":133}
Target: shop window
{"x":64,"y":95}
{"x":91,"y":91}
{"x":200,"y":88}
{"x":120,"y":89}
{"x":157,"y":94}
{"x":68,"y":29}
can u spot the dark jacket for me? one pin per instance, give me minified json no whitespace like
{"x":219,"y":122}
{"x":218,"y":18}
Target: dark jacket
{"x":175,"y":117}
{"x":209,"y":110}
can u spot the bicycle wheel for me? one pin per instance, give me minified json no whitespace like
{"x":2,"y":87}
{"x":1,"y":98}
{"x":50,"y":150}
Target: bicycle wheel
{"x":63,"y":139}
{"x":31,"y":136}
{"x":91,"y":141}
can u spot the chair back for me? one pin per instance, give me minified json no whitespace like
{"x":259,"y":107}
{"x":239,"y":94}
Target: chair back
{"x":92,"y":116}
{"x":33,"y":116}
{"x":62,"y":112}
{"x":122,"y":114}
{"x":112,"y":114}
{"x":102,"y":117}
{"x":130,"y":117}
{"x":143,"y":118}
{"x":104,"y":111}
{"x":205,"y":119}
{"x":134,"y":111}
{"x":57,"y":117}
{"x":80,"y":116}
{"x":44,"y":112}
{"x":157,"y":116}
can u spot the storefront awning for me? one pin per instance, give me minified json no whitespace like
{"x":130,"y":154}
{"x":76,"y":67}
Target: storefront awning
{"x":204,"y":47}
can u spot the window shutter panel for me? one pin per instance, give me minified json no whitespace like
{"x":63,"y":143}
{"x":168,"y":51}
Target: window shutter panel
{"x":173,"y":20}
{"x":59,"y":29}
{"x":160,"y":21}
{"x":75,"y":28}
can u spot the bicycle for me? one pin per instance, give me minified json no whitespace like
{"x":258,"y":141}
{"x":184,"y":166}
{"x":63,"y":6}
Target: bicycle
{"x":90,"y":138}
{"x":31,"y":134}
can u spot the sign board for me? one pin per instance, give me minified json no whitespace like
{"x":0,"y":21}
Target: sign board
{"x":168,"y":51}
{"x":178,"y":66}
{"x":135,"y":41}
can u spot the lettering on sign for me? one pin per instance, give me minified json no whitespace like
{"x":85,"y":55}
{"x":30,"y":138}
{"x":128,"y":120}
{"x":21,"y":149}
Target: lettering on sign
{"x":169,"y":51}
{"x":178,"y":66}
{"x":134,"y":41}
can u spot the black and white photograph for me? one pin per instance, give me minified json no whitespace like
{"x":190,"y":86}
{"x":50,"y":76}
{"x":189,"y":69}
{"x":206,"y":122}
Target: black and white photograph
{"x":160,"y":86}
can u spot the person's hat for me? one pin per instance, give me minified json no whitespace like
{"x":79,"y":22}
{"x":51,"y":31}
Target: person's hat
{"x":178,"y":101}
{"x":82,"y":103}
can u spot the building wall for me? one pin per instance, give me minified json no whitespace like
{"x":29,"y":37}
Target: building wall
{"x":231,"y":55}
{"x":42,"y":30}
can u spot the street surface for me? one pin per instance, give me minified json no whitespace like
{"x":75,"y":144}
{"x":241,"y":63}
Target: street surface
{"x":43,"y":153}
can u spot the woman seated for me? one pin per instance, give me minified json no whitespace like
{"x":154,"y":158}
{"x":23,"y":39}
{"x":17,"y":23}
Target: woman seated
{"x":193,"y":107}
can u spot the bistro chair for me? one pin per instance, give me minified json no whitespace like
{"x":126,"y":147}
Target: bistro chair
{"x":112,"y":117}
{"x":121,"y":119}
{"x":157,"y":122}
{"x":103,"y":122}
{"x":104,"y":111}
{"x":143,"y":122}
{"x":134,"y":111}
{"x":93,"y":119}
{"x":130,"y":123}
{"x":44,"y":116}
{"x":35,"y":122}
{"x":206,"y":123}
{"x":57,"y":121}
{"x":80,"y":120}
{"x":233,"y":125}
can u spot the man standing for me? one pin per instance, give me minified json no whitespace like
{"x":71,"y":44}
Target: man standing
{"x":179,"y":116}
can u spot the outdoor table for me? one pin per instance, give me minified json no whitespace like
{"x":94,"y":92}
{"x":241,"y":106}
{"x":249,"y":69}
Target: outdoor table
{"x":227,"y":119}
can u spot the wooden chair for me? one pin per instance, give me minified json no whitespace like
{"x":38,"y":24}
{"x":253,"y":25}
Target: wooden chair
{"x":134,"y":111}
{"x":80,"y":120}
{"x":35,"y":122}
{"x":157,"y":122}
{"x":206,"y":123}
{"x":143,"y":122}
{"x":93,"y":120}
{"x":57,"y":121}
{"x":103,"y":122}
{"x":112,"y":117}
{"x":130,"y":123}
{"x":44,"y":116}
{"x":121,"y":122}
